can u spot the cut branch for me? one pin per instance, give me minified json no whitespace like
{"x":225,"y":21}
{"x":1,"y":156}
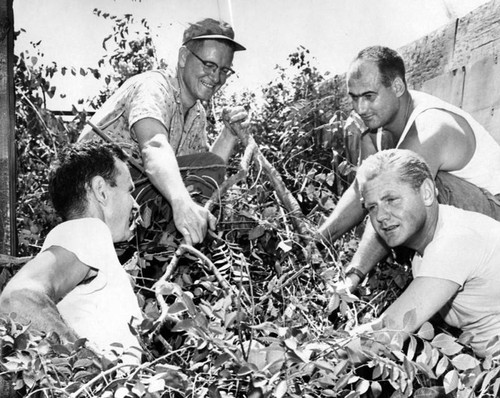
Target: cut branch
{"x":284,"y":195}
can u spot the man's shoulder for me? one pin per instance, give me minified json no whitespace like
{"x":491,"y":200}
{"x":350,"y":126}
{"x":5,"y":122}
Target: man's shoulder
{"x":149,"y":80}
{"x":160,"y":75}
{"x":433,"y":109}
{"x":89,"y":228}
{"x":463,"y":223}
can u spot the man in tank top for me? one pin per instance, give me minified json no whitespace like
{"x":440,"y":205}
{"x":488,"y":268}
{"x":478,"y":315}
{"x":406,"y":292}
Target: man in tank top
{"x":463,"y":158}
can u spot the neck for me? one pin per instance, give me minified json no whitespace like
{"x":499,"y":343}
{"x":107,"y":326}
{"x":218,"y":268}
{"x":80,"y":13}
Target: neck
{"x":187,"y":101}
{"x":397,"y":126}
{"x":428,"y":230}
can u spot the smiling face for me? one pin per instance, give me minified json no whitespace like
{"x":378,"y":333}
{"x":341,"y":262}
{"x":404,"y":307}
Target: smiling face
{"x":375,"y":103}
{"x":121,"y":208}
{"x":198,"y":83}
{"x":397,"y":210}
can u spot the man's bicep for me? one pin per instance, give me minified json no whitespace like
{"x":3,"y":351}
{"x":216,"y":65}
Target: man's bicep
{"x":55,"y":272}
{"x":147,"y":129}
{"x":438,"y":141}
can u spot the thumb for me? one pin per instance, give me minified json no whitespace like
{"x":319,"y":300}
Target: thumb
{"x":212,"y":221}
{"x":187,"y":236}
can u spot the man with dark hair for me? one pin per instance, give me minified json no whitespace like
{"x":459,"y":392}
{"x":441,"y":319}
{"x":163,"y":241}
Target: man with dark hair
{"x":76,"y":286}
{"x":455,"y":268}
{"x":463,"y":158}
{"x":161,"y":120}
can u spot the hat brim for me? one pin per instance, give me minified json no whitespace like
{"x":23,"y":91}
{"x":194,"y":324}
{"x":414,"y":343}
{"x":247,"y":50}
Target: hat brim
{"x":237,"y":46}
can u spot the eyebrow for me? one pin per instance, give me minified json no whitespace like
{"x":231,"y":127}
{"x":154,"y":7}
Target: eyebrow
{"x":362,"y":94}
{"x":386,"y":195}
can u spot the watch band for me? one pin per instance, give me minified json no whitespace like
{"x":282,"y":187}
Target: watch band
{"x":355,"y":271}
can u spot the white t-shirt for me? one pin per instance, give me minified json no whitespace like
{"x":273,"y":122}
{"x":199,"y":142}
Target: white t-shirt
{"x":466,"y":250}
{"x":101,"y":309}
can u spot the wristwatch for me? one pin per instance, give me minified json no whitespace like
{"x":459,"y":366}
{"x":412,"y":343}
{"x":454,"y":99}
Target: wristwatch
{"x":355,"y":271}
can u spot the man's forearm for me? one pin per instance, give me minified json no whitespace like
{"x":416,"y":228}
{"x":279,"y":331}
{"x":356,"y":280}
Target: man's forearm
{"x":38,"y":309}
{"x":163,"y":171}
{"x":224,"y":144}
{"x":370,"y":251}
{"x":347,"y":214}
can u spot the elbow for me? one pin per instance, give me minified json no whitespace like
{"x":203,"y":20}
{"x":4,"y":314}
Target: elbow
{"x":156,"y":143}
{"x":14,"y":301}
{"x":153,"y":153}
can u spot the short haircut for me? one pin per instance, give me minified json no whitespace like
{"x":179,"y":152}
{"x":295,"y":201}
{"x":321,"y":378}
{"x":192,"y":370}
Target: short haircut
{"x":389,"y":62}
{"x":411,"y":167}
{"x":77,"y":164}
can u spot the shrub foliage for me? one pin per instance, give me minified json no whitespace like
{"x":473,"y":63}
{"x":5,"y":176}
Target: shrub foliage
{"x":247,"y":313}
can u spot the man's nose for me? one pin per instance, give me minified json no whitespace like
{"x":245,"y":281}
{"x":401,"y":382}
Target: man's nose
{"x":215,"y":76}
{"x":382,"y":214}
{"x":361,"y":106}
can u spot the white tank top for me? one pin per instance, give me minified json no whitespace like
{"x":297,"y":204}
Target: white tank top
{"x":483,"y":169}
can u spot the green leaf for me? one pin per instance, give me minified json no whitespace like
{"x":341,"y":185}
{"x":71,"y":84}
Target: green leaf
{"x":496,"y":387}
{"x":446,"y":344}
{"x":83,"y":363}
{"x":156,"y":385}
{"x":442,"y":366}
{"x":412,"y":348}
{"x":121,"y":392}
{"x":362,"y":386}
{"x":281,"y":389}
{"x":410,"y":317}
{"x":450,"y":381}
{"x":409,"y":368}
{"x":376,"y":389}
{"x":177,"y":308}
{"x":464,"y":362}
{"x":428,"y":392}
{"x":256,"y":232}
{"x":426,"y":331}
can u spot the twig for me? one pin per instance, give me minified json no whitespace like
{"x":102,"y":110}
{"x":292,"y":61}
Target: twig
{"x":100,"y":375}
{"x":239,"y":176}
{"x":106,"y":138}
{"x":284,"y":195}
{"x":183,"y":248}
{"x":6,"y":260}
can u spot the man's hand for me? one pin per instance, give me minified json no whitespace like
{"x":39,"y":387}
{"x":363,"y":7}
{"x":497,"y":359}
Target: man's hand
{"x":192,"y":220}
{"x":234,"y":128}
{"x":238,"y":114}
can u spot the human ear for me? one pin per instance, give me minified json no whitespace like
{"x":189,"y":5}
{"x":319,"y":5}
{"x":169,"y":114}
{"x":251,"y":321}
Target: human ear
{"x":428,"y":192}
{"x":183,"y":52}
{"x":98,"y":188}
{"x":398,"y":86}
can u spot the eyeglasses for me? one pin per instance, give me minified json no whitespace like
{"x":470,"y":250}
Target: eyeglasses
{"x":212,"y":67}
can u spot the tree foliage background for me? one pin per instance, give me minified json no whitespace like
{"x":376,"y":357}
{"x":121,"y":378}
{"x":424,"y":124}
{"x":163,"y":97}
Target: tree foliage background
{"x":248,"y":313}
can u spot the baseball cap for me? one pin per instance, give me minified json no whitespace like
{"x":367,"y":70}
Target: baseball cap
{"x":209,"y":28}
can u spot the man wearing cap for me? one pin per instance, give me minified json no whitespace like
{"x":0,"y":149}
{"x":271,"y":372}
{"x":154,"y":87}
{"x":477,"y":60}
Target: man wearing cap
{"x":160,"y":120}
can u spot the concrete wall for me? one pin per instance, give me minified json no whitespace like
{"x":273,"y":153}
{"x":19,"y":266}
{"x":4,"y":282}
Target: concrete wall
{"x":459,"y":63}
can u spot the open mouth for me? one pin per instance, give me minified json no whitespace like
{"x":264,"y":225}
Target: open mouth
{"x":388,"y":230}
{"x":208,"y":85}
